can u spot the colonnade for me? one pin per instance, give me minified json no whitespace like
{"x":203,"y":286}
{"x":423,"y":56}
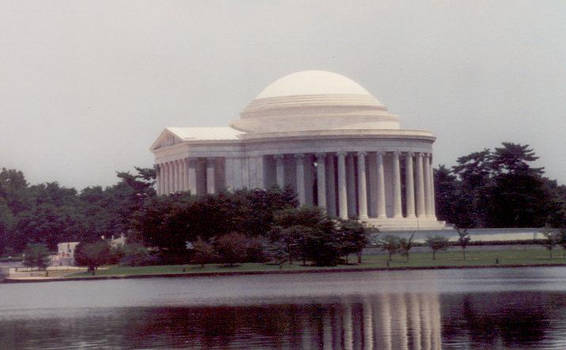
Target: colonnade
{"x":197,"y":175}
{"x":364,"y":184}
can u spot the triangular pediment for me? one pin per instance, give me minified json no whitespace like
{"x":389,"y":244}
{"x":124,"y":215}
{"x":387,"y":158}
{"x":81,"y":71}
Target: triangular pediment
{"x":166,"y":138}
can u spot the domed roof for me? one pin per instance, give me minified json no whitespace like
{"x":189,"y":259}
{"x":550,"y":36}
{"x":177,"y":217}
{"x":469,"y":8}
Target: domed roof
{"x":312,"y":82}
{"x":314,"y":100}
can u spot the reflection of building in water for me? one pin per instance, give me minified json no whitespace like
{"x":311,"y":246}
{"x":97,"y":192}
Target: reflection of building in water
{"x":387,"y":321}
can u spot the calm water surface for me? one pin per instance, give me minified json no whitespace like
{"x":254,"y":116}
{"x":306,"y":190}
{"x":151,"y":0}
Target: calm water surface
{"x":449,"y":309}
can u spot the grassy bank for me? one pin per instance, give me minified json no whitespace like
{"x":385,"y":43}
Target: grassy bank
{"x":508,"y":257}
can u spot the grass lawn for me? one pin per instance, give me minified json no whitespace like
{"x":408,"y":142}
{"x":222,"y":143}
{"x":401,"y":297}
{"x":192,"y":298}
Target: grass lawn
{"x":443,"y":259}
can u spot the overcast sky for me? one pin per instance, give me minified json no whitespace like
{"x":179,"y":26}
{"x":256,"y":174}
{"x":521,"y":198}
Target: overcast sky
{"x":87,"y":86}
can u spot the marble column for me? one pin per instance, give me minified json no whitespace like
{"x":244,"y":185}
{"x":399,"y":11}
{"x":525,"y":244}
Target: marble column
{"x":164,"y":178}
{"x":300,"y":177}
{"x":179,"y":182}
{"x":426,"y":171}
{"x":342,"y":190}
{"x":210,"y":175}
{"x":193,"y":175}
{"x":397,"y":210}
{"x":331,"y":184}
{"x":170,"y":177}
{"x":362,"y":186}
{"x":158,"y":178}
{"x":432,"y":193}
{"x":186,"y":173}
{"x":182,"y":174}
{"x":409,"y":186}
{"x":351,"y":184}
{"x":279,"y":171}
{"x":321,"y":179}
{"x":381,"y":213}
{"x":177,"y":171}
{"x":420,"y":187}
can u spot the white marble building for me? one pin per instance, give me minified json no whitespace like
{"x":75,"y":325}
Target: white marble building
{"x":322,"y":134}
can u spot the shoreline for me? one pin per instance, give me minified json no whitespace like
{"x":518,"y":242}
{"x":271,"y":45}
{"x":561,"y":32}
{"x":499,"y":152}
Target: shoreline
{"x":272,"y":272}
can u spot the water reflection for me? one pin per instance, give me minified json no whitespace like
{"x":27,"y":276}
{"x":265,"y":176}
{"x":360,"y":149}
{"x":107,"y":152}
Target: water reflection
{"x":386,"y":321}
{"x":360,"y":311}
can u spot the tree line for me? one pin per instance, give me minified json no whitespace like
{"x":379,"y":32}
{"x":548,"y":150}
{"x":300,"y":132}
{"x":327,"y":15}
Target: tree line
{"x":499,"y":188}
{"x":230,"y":227}
{"x":490,"y":188}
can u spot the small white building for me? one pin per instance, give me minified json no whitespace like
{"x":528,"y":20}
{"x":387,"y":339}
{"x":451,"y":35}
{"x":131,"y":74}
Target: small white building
{"x":322,"y":134}
{"x":65,"y":254}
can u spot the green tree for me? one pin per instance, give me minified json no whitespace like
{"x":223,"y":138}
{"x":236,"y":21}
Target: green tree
{"x":405,"y":246}
{"x":36,"y":255}
{"x":437,"y":243}
{"x":203,"y":252}
{"x":446,"y":194}
{"x":277,"y":252}
{"x":474,"y":172}
{"x":287,"y":240}
{"x":92,"y":255}
{"x":231,"y":248}
{"x":562,"y":241}
{"x":389,"y":244}
{"x":318,"y":240}
{"x":463,"y":239}
{"x":354,"y":237}
{"x":135,"y":254}
{"x":7,"y":222}
{"x":551,"y":239}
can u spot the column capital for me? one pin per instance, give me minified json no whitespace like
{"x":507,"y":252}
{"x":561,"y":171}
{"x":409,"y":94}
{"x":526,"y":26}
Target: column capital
{"x":210,"y":160}
{"x":419,"y":154}
{"x":409,"y":154}
{"x":362,"y":153}
{"x":342,"y":153}
{"x":299,"y":155}
{"x":278,"y":156}
{"x":321,"y":155}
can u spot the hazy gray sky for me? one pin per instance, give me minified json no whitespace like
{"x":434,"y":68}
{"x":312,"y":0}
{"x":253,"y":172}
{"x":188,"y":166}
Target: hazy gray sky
{"x":86,"y":86}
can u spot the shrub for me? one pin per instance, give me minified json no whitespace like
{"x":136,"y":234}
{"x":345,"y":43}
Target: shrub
{"x":136,"y":254}
{"x":92,"y":255}
{"x":36,"y":255}
{"x":203,"y":252}
{"x":255,"y":250}
{"x":231,"y":248}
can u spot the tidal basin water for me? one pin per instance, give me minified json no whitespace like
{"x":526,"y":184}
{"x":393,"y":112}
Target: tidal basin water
{"x":521,"y":308}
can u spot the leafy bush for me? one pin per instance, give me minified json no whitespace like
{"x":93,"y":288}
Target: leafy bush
{"x":203,"y":252}
{"x":255,"y":250}
{"x":36,"y":255}
{"x":92,"y":255}
{"x":136,"y":254}
{"x":231,"y":248}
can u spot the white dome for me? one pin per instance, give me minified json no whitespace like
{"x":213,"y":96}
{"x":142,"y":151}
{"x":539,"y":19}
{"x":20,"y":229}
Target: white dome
{"x":312,"y":82}
{"x":314,"y":101}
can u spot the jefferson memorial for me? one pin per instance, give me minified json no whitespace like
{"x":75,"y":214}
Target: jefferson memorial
{"x":320,"y":133}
